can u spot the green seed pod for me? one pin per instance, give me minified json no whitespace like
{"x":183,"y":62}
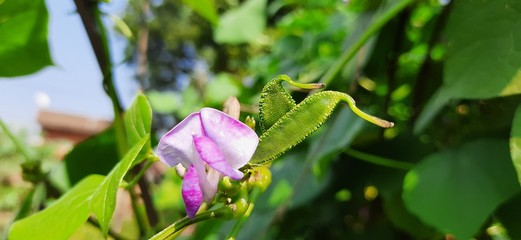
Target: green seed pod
{"x":301,"y":121}
{"x":275,"y":100}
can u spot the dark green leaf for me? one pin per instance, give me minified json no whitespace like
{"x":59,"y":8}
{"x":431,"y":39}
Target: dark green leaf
{"x":103,"y":202}
{"x":515,"y":142}
{"x":95,"y":155}
{"x":23,"y":27}
{"x":397,"y":213}
{"x":456,"y":190}
{"x":483,"y":53}
{"x":243,"y":24}
{"x":63,"y":218}
{"x":508,"y":215}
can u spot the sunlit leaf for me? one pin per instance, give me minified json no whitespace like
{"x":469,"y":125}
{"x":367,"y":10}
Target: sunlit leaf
{"x":205,"y":8}
{"x":456,"y":190}
{"x":63,"y":218}
{"x":23,"y":27}
{"x":515,"y":142}
{"x":243,"y":24}
{"x":138,"y":122}
{"x":483,"y":54}
{"x":103,"y":201}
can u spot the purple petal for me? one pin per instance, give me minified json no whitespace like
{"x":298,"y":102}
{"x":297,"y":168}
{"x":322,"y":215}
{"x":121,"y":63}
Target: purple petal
{"x":209,"y":189}
{"x":236,"y":140}
{"x":210,"y":153}
{"x":191,"y":191}
{"x":176,"y":146}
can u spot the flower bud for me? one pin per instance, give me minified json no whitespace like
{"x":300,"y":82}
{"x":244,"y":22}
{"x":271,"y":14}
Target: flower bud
{"x":260,"y":178}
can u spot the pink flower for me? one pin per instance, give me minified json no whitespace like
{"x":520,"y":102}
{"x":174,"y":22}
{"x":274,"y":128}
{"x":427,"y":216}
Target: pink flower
{"x":209,"y":144}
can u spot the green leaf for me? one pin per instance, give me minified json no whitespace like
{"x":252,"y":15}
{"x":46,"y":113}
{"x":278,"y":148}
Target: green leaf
{"x":205,"y":8}
{"x":515,"y":142}
{"x":483,"y":54}
{"x":95,"y":155}
{"x":221,"y":88}
{"x":456,"y":190}
{"x":103,"y":201}
{"x":165,"y":102}
{"x":243,"y":24}
{"x":24,"y":48}
{"x":395,"y":210}
{"x":63,"y":218}
{"x":138,"y":122}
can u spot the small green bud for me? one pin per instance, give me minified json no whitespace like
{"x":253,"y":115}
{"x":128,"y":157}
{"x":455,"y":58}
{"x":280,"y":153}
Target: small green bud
{"x":239,"y":207}
{"x":250,"y":122}
{"x":260,"y":178}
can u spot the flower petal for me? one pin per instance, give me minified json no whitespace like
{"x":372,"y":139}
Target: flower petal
{"x":236,"y":140}
{"x":209,"y":189}
{"x":176,"y":146}
{"x":210,"y":153}
{"x":192,"y":192}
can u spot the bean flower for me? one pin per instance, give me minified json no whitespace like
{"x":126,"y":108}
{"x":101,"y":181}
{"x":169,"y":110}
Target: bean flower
{"x":209,"y":144}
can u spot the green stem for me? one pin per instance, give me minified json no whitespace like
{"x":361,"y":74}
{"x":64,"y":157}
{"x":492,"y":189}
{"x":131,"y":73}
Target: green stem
{"x":170,"y":231}
{"x":97,"y":34}
{"x":374,"y":28}
{"x":111,"y":233}
{"x":21,"y":147}
{"x":372,"y":119}
{"x":238,"y":225}
{"x":141,"y":215}
{"x":139,"y":175}
{"x":379,"y":160}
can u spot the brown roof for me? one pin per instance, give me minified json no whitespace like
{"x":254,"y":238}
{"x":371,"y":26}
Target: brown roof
{"x":56,"y":125}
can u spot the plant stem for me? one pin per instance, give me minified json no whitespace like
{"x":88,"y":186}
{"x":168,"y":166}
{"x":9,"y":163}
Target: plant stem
{"x":379,"y":160}
{"x":139,"y":175}
{"x":90,"y":16}
{"x":170,"y":231}
{"x":374,"y":28}
{"x":111,"y":233}
{"x":141,"y":216}
{"x":21,"y":147}
{"x":238,"y":225}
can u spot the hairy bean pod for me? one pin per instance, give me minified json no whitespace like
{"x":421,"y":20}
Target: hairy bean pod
{"x":302,"y":120}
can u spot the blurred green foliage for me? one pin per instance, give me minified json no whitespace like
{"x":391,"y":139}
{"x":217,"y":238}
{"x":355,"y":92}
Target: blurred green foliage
{"x":429,"y":53}
{"x":446,"y":72}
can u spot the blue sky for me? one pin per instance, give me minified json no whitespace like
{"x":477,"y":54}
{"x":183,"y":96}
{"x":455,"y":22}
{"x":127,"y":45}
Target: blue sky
{"x":74,"y":83}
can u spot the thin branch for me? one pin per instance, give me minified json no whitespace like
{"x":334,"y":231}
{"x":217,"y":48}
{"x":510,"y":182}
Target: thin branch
{"x":373,"y":29}
{"x":381,"y":161}
{"x":111,"y":233}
